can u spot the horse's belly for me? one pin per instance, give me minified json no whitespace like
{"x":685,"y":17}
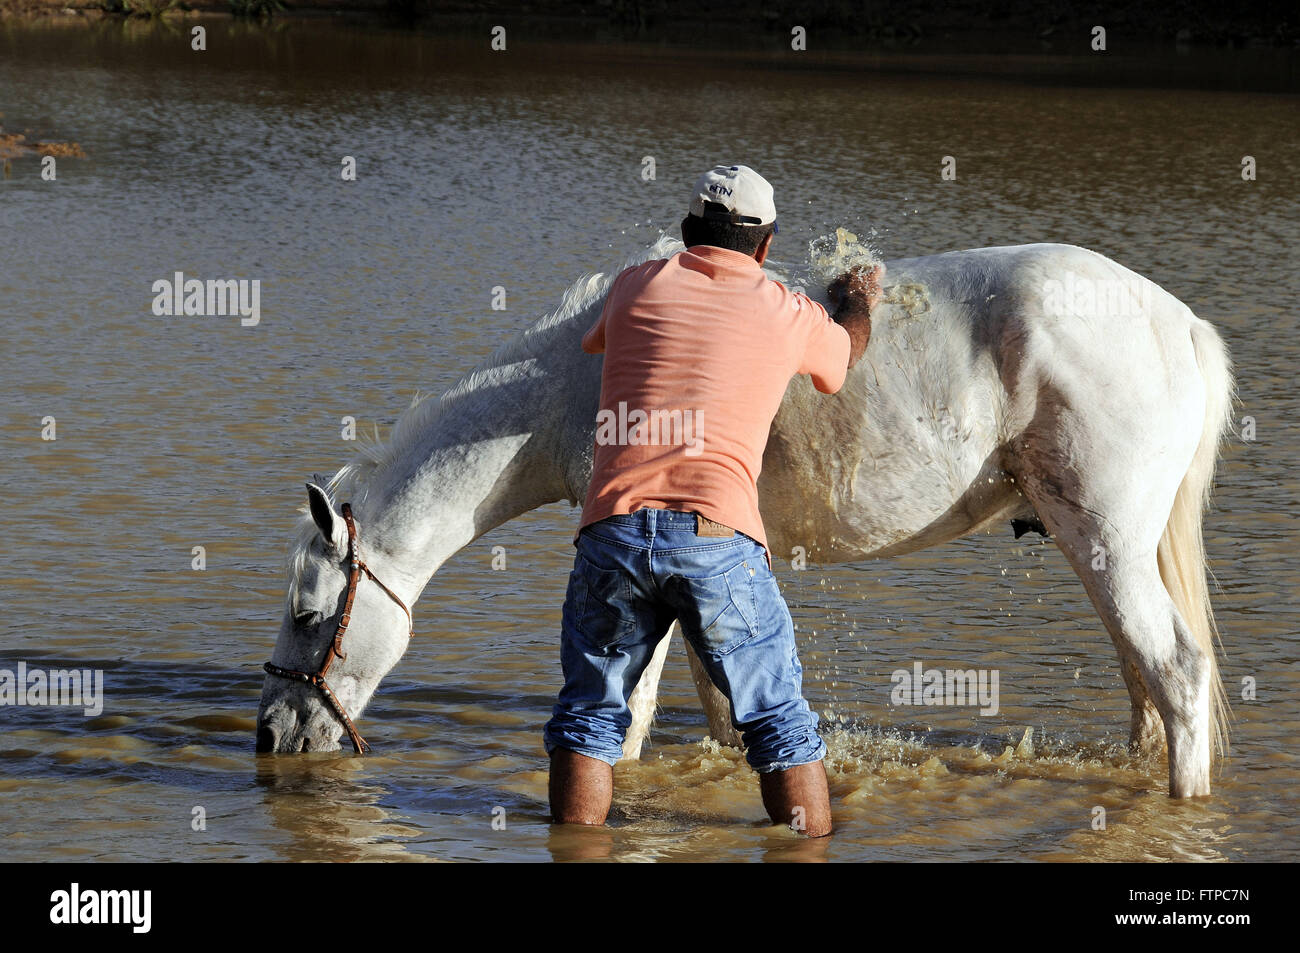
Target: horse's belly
{"x":847,"y":496}
{"x":882,"y":516}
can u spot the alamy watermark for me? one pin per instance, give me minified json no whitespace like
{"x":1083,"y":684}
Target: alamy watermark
{"x":933,"y":686}
{"x":216,"y":296}
{"x":655,"y":428}
{"x":77,"y":906}
{"x":39,"y":688}
{"x":1080,"y":296}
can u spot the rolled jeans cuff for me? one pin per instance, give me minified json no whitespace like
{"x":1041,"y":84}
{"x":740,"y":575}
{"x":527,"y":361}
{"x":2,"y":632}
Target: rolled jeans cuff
{"x":786,"y":756}
{"x":577,"y":740}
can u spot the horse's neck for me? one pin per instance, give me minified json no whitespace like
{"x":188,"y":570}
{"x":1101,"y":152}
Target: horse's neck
{"x":495,"y":447}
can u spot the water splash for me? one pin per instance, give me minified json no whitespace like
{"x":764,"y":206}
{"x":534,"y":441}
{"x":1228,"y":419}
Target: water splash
{"x":829,"y":256}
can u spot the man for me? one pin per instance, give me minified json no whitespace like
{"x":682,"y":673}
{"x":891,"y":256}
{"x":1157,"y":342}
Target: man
{"x":699,"y":349}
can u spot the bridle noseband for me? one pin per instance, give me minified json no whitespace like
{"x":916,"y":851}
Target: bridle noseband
{"x":335,"y":650}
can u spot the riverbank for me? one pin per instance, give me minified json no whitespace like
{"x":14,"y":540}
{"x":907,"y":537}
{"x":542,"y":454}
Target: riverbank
{"x":1059,"y":26}
{"x":14,"y":145}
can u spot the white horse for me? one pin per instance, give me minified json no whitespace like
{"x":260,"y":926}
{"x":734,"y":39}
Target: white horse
{"x":1037,"y":383}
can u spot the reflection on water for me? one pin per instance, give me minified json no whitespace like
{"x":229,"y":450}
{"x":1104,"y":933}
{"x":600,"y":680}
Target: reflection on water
{"x":176,"y":433}
{"x":324,"y":812}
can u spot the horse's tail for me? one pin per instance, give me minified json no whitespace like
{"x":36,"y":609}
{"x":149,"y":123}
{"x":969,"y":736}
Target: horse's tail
{"x":1181,"y":554}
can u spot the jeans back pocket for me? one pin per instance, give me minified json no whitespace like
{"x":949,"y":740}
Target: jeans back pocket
{"x":719,"y":612}
{"x":600,"y":601}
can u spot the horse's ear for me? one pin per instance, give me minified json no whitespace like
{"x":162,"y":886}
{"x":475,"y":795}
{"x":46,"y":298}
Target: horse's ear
{"x":327,"y":521}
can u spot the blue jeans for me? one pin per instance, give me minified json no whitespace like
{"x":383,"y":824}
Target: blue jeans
{"x":632,"y":576}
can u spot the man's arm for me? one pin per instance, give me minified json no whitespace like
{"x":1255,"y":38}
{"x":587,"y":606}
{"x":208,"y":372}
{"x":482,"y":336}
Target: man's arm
{"x":593,"y":342}
{"x":855,"y":294}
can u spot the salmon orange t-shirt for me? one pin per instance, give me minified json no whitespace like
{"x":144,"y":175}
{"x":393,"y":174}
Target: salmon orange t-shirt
{"x":699,"y":349}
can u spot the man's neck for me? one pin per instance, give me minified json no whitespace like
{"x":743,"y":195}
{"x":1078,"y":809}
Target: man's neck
{"x":716,"y":252}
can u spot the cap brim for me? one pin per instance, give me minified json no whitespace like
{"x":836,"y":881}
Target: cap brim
{"x":727,"y":215}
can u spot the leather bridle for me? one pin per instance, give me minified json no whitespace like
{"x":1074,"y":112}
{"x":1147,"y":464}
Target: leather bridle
{"x":335,"y":650}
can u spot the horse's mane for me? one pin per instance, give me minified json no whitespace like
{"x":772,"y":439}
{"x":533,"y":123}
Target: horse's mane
{"x":374,"y":456}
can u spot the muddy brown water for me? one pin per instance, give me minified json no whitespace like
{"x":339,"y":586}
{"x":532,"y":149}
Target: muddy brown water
{"x":526,"y":172}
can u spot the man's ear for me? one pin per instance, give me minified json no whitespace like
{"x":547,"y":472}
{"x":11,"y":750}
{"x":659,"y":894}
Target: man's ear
{"x":760,"y":254}
{"x":331,"y":525}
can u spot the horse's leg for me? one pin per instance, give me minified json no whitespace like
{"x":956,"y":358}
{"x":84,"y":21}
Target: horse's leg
{"x":1146,"y":729}
{"x":644,"y":698}
{"x":1167,"y":674}
{"x":1102,"y":512}
{"x":716,"y":707}
{"x":1155,"y":642}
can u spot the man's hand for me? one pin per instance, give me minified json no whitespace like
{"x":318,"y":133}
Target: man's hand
{"x":855,"y":294}
{"x":858,"y":283}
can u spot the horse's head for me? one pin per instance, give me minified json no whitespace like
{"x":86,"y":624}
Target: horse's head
{"x":343,"y":630}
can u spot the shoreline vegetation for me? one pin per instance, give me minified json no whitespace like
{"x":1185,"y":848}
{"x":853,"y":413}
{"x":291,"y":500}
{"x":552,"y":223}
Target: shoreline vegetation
{"x":1055,"y":25}
{"x":14,"y":145}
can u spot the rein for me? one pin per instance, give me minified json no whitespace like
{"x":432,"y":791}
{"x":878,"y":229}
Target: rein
{"x":335,"y":650}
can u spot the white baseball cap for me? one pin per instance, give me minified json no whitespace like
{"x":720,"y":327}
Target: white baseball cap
{"x":745,"y":196}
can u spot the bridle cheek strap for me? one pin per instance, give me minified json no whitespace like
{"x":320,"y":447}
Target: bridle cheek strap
{"x":355,"y":569}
